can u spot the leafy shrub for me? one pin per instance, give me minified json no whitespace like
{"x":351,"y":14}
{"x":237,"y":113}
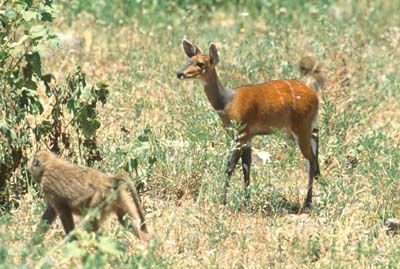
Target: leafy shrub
{"x":25,"y":35}
{"x":78,"y":99}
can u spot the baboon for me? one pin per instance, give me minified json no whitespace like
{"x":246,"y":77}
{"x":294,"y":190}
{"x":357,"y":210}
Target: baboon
{"x":72,"y":189}
{"x":311,"y":73}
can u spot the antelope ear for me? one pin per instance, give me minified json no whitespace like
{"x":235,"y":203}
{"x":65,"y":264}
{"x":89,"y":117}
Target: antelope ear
{"x":190,"y":49}
{"x":213,"y":54}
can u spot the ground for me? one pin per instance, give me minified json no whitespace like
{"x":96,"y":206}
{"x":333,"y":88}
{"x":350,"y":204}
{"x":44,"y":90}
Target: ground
{"x":136,"y":50}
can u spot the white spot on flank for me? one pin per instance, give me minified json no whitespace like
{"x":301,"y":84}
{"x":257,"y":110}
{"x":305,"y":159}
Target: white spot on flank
{"x":298,"y":97}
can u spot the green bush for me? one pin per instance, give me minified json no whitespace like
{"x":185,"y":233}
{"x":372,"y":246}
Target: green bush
{"x":26,"y":34}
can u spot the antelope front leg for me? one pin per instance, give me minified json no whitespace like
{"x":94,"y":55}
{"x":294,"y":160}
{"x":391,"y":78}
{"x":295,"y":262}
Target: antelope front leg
{"x":314,"y":144}
{"x":246,"y":164}
{"x":232,"y":161}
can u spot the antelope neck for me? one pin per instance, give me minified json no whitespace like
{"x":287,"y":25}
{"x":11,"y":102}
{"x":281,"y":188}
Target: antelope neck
{"x":218,"y":96}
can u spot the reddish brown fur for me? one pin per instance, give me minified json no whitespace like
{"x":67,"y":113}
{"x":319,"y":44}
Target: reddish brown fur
{"x":273,"y":104}
{"x":261,"y":108}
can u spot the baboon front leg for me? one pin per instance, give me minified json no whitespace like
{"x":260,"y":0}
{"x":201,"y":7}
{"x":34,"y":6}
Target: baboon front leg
{"x":246,"y":164}
{"x":121,"y":216}
{"x":67,"y":220}
{"x":127,"y":207}
{"x":232,"y":161}
{"x":94,"y":225}
{"x":47,"y":219}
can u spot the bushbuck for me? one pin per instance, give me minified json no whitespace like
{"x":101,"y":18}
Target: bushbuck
{"x":260,"y":109}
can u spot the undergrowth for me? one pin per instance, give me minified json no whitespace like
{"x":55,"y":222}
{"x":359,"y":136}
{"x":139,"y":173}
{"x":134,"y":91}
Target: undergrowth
{"x":165,"y":135}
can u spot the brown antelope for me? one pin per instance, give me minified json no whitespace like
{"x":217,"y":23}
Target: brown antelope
{"x":260,"y":108}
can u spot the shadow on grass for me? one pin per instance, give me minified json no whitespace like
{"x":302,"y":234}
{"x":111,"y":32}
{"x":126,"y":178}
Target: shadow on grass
{"x":280,"y":205}
{"x":268,"y":206}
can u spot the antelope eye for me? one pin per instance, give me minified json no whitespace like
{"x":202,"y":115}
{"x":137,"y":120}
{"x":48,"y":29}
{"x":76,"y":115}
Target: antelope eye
{"x":200,"y":64}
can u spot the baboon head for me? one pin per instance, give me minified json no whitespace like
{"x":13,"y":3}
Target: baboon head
{"x":36,"y":166}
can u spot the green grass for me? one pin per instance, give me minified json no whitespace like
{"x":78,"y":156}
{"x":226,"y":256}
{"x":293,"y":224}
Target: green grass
{"x":136,"y":50}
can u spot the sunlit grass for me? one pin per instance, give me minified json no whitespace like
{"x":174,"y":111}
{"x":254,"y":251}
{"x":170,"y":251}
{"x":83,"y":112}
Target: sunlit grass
{"x":359,"y":137}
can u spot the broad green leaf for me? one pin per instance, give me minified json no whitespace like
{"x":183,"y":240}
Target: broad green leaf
{"x":86,"y":93}
{"x":42,"y":129}
{"x":30,"y":15}
{"x":40,"y":48}
{"x":38,"y":31}
{"x":73,"y":250}
{"x":54,"y":41}
{"x":47,"y":12}
{"x":72,"y":106}
{"x":3,"y":255}
{"x":109,"y":245}
{"x":34,"y":60}
{"x":89,"y":126}
{"x":11,"y":14}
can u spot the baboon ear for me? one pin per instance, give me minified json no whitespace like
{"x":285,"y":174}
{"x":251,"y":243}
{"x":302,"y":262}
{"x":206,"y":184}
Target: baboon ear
{"x":213,"y":54}
{"x":190,"y":49}
{"x":35,"y":161}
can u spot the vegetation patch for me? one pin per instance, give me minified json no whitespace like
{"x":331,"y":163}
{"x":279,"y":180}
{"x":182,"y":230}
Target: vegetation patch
{"x":57,"y":58}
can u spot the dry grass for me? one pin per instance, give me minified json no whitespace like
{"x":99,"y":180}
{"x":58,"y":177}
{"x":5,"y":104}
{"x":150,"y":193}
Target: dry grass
{"x":359,"y":127}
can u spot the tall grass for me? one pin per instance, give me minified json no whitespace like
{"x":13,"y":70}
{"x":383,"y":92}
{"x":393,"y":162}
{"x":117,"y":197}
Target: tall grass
{"x":134,"y":46}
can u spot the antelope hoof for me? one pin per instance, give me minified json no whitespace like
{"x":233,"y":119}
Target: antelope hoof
{"x":229,"y":171}
{"x":247,"y":202}
{"x":305,"y":209}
